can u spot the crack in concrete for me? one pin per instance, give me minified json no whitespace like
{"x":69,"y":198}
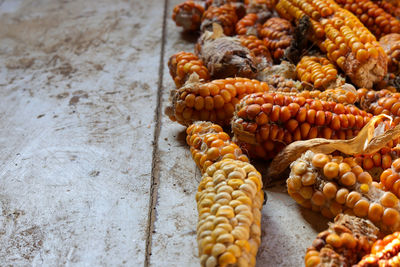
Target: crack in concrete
{"x":155,"y":168}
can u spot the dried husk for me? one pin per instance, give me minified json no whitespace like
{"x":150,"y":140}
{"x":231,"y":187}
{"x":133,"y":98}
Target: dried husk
{"x":369,"y":140}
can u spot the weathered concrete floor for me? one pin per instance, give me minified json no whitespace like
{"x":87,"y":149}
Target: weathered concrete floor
{"x":92,"y":172}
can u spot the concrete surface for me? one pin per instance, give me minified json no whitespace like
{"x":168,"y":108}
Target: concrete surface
{"x":92,"y":172}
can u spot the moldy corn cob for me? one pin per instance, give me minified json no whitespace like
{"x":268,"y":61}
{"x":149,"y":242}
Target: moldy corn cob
{"x":224,"y":15}
{"x":391,"y":45}
{"x":344,"y":243}
{"x":318,"y":71}
{"x":377,"y":20}
{"x":277,"y":34}
{"x":209,"y":144}
{"x":229,"y":202}
{"x":188,"y":14}
{"x":332,"y":185}
{"x":213,"y":101}
{"x":183,"y":64}
{"x":385,"y":252}
{"x":340,"y":35}
{"x":266,"y":122}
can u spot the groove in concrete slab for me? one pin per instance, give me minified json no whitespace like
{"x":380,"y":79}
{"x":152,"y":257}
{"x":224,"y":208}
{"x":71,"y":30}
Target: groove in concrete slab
{"x":155,"y":169}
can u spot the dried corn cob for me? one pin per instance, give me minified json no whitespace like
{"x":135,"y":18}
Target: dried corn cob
{"x":256,"y":46}
{"x":332,"y":185}
{"x":377,"y":20}
{"x":209,"y":144}
{"x":229,"y":201}
{"x":391,"y":8}
{"x":345,"y":242}
{"x":385,"y":252}
{"x":391,"y":45}
{"x":188,"y":15}
{"x":214,"y":101}
{"x":183,"y":64}
{"x":224,"y":15}
{"x":343,"y":37}
{"x":277,"y":34}
{"x":265,"y":122}
{"x":318,"y":71}
{"x":248,"y":25}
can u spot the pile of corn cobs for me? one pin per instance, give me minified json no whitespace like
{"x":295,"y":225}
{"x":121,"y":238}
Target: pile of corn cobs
{"x":280,"y":71}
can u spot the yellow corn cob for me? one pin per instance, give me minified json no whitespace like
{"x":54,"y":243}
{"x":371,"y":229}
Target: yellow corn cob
{"x":265,"y":122}
{"x":391,"y":45}
{"x":346,"y":240}
{"x":188,"y":15}
{"x":384,"y":252}
{"x":183,"y":64}
{"x":229,"y":201}
{"x":344,"y":39}
{"x":213,"y":101}
{"x":318,"y":71}
{"x":332,"y":185}
{"x":209,"y":144}
{"x":377,"y":20}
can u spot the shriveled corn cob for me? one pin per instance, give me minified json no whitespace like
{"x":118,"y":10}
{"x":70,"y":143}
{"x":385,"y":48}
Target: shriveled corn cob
{"x":229,"y":201}
{"x":332,"y":185}
{"x":213,"y":101}
{"x":248,"y":25}
{"x":224,"y":15}
{"x":377,"y":20}
{"x":209,"y":144}
{"x":256,"y":46}
{"x":183,"y":64}
{"x":318,"y":71}
{"x":277,"y":34}
{"x":385,"y":252}
{"x":391,"y":45}
{"x":266,"y":122}
{"x":188,"y":15}
{"x":344,"y":39}
{"x":344,"y":243}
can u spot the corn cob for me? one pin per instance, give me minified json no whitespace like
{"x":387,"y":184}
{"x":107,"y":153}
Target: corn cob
{"x":344,"y":243}
{"x":391,"y":45}
{"x":338,"y":95}
{"x":277,"y":34}
{"x":385,"y":252}
{"x":278,"y":83}
{"x":344,"y":39}
{"x":183,"y":64}
{"x":224,"y":15}
{"x":332,"y":185}
{"x":377,"y":20}
{"x":256,"y":46}
{"x":248,"y":25}
{"x":265,"y":122}
{"x":188,"y":15}
{"x":229,"y":201}
{"x":318,"y":71}
{"x":209,"y":144}
{"x":391,"y":8}
{"x":214,"y":101}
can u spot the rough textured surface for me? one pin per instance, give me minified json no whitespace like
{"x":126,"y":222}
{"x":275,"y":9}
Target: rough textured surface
{"x":78,"y":90}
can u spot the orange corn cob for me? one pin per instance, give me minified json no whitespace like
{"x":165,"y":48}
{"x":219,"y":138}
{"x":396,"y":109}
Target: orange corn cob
{"x":332,"y":185}
{"x":183,"y":64}
{"x":318,"y":71}
{"x":256,"y":46}
{"x":344,"y":243}
{"x":229,"y":202}
{"x":377,"y":20}
{"x":265,"y":122}
{"x":224,"y":15}
{"x":385,"y":252}
{"x":344,"y":39}
{"x":390,"y":178}
{"x":248,"y":25}
{"x":213,"y":101}
{"x":209,"y":144}
{"x":391,"y":8}
{"x":391,"y":45}
{"x":277,"y":34}
{"x":188,"y":15}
